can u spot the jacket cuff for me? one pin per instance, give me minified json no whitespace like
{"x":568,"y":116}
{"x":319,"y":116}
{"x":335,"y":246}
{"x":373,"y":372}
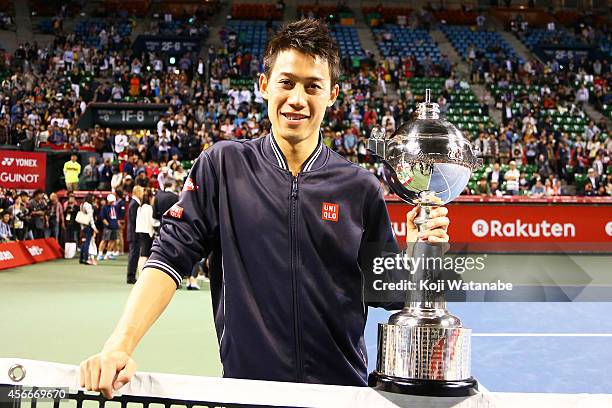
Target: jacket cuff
{"x":164,"y":267}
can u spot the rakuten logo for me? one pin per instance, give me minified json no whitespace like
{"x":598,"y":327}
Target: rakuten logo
{"x":496,"y":228}
{"x":6,"y":256}
{"x":35,"y":250}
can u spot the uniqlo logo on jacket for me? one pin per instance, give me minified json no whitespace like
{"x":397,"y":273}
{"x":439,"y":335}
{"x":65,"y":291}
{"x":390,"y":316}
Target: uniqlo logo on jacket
{"x":176,"y":211}
{"x":189,"y":185}
{"x":329,"y":212}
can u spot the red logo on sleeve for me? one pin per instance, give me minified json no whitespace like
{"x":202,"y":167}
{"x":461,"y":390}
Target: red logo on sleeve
{"x":189,"y":185}
{"x":176,"y":211}
{"x":329,"y":212}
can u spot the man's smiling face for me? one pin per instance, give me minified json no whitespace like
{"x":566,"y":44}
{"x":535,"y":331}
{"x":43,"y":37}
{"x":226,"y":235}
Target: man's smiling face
{"x":298,"y":91}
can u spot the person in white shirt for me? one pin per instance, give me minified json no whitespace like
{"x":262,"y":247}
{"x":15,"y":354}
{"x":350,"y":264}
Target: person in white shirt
{"x":388,"y":121}
{"x":582,"y":95}
{"x":449,"y":84}
{"x":234,"y":95}
{"x":245,"y":96}
{"x":158,"y":65}
{"x":512,"y":179}
{"x":89,"y":230}
{"x":121,"y":142}
{"x":145,"y":228}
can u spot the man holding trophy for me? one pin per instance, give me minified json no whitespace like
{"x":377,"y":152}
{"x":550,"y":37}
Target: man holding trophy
{"x":291,"y":228}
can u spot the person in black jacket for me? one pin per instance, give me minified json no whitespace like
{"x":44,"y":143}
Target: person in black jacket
{"x":132,"y":237}
{"x":291,"y":230}
{"x":164,"y":200}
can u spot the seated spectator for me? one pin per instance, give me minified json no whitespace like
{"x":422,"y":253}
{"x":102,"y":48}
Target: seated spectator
{"x":538,"y":189}
{"x":495,"y":191}
{"x":482,"y":188}
{"x":6,"y":233}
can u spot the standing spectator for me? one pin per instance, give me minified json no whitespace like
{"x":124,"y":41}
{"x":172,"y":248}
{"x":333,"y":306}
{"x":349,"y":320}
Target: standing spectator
{"x":496,"y":175}
{"x":89,"y":229}
{"x":582,"y":95}
{"x":164,"y":200}
{"x":72,"y":170}
{"x":72,"y":228}
{"x":141,"y":179}
{"x":38,"y":211}
{"x":121,"y":212}
{"x":106,"y":175}
{"x":512,"y":177}
{"x":56,"y":217}
{"x":108,"y":215}
{"x":91,"y":175}
{"x":19,"y":212}
{"x":144,"y":228}
{"x":134,"y":247}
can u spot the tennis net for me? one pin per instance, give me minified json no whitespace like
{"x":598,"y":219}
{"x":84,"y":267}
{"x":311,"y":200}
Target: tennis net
{"x":37,"y":384}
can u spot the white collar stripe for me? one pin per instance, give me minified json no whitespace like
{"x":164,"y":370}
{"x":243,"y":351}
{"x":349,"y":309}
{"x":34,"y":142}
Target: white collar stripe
{"x":310,"y":163}
{"x":281,"y":163}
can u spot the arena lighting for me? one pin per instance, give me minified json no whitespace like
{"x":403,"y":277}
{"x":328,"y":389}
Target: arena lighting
{"x":172,"y":60}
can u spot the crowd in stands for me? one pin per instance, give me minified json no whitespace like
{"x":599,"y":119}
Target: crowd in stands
{"x":214,"y":96}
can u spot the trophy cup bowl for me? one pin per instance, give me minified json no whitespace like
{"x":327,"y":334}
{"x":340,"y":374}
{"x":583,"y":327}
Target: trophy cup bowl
{"x":423,"y":349}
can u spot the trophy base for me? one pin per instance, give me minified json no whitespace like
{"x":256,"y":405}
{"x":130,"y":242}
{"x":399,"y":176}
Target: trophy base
{"x":429,"y":388}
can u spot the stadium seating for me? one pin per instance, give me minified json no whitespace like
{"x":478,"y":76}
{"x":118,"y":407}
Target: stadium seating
{"x":248,"y":11}
{"x":463,"y":108}
{"x":456,"y":17}
{"x":607,"y":110}
{"x":380,"y":15}
{"x":407,"y":42}
{"x":462,"y":37}
{"x":44,"y":8}
{"x":348,"y":41}
{"x":252,"y":35}
{"x":138,"y":8}
{"x":535,"y":36}
{"x":562,"y":121}
{"x":90,"y":29}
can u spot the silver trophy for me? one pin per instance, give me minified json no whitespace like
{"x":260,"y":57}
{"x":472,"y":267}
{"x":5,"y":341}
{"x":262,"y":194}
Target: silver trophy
{"x":423,"y":349}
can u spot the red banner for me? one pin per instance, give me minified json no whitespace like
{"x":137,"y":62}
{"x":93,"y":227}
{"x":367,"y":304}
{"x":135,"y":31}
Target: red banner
{"x":42,"y":249}
{"x":13,"y":254}
{"x":22,"y":170}
{"x":523,"y":228}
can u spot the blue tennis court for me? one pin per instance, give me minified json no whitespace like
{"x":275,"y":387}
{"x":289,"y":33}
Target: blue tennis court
{"x":532,"y":347}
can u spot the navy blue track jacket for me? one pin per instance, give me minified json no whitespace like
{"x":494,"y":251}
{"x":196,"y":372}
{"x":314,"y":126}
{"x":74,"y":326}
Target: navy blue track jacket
{"x":286,"y":258}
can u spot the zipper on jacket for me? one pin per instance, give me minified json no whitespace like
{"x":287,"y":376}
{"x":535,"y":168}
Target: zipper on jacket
{"x":294,"y":278}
